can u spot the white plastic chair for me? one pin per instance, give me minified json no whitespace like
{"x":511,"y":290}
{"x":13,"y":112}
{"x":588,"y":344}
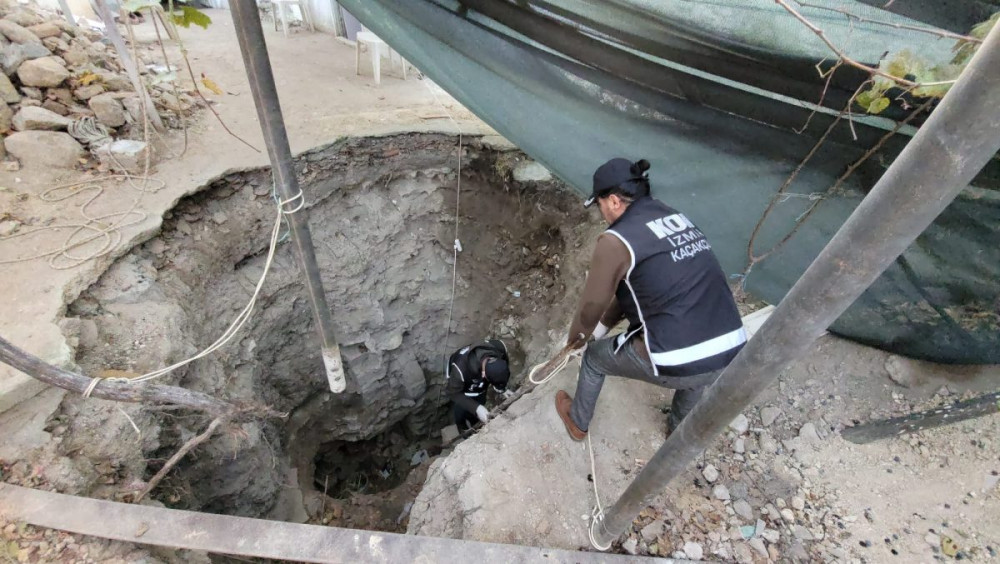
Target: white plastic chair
{"x":279,"y":9}
{"x":376,"y":47}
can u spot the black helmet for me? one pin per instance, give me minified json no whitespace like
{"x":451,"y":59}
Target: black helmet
{"x":497,"y":372}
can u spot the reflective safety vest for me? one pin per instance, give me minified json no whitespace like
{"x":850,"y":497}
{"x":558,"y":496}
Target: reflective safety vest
{"x":675,"y":292}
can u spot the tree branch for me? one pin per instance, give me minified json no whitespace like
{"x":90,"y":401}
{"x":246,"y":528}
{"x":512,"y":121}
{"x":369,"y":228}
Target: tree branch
{"x":125,"y":391}
{"x":186,"y":448}
{"x":938,"y":32}
{"x":848,"y":60}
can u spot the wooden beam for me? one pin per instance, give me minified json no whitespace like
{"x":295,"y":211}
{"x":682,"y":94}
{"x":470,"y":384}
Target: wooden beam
{"x":258,"y":538}
{"x":946,"y":415}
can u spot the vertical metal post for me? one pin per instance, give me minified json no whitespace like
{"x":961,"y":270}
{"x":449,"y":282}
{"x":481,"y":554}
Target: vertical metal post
{"x":67,"y":13}
{"x":111,"y":30}
{"x":265,"y":96}
{"x":960,"y":137}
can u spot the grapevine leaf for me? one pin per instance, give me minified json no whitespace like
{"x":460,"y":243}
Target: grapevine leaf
{"x":184,"y":16}
{"x":878,"y":105}
{"x":866,"y":98}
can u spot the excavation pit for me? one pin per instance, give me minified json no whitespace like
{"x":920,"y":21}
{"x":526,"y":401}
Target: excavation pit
{"x":382,"y":212}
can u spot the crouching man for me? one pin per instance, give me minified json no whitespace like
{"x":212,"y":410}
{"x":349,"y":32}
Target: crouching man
{"x":471,"y":371}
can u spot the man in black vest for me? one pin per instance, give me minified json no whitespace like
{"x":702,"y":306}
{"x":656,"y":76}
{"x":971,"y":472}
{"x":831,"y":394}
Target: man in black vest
{"x":470,"y":372}
{"x":656,"y":269}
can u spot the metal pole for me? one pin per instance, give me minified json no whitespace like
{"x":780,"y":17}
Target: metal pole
{"x":111,"y":30}
{"x":960,"y":137}
{"x":67,"y":13}
{"x":265,"y":96}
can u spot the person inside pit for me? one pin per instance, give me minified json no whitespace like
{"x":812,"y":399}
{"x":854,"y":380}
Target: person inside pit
{"x":655,"y":268}
{"x":471,"y":371}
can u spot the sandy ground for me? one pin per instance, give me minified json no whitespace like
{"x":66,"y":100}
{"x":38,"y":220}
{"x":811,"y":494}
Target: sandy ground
{"x":523,"y":480}
{"x":322,"y":99}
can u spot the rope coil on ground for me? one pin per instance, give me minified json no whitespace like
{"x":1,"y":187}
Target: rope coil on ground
{"x":107,"y":226}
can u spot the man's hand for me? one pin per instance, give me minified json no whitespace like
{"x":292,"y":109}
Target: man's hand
{"x":507,"y":394}
{"x":483,"y":414}
{"x":576,"y":341}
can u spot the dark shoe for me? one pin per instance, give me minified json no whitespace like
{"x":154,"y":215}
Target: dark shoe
{"x":563,"y":403}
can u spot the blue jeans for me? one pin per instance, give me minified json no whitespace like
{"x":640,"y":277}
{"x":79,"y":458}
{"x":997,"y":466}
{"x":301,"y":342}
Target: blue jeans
{"x":600,"y":360}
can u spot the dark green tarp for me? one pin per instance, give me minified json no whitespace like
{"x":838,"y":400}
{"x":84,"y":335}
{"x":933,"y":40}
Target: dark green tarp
{"x":712,"y":93}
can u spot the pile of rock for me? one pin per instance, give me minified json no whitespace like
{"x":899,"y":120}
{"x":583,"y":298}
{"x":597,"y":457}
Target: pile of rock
{"x":62,"y":90}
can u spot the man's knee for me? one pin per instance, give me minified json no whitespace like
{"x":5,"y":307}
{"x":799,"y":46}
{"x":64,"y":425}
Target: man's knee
{"x":592,"y":355}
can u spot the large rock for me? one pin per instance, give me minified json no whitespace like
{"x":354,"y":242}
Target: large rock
{"x":6,"y":117}
{"x":133,"y":105}
{"x":108,"y":110}
{"x":89,"y":91}
{"x":43,"y":30}
{"x":124,"y":155}
{"x":531,"y":171}
{"x":35,"y":118}
{"x":44,"y":72}
{"x":44,"y":148}
{"x":55,"y":44}
{"x":8,"y":93}
{"x":13,"y":55}
{"x":523,"y":469}
{"x":24,"y":17}
{"x":55,"y":107}
{"x":61,"y":95}
{"x":16,"y":33}
{"x":115,"y":81}
{"x":76,"y":56}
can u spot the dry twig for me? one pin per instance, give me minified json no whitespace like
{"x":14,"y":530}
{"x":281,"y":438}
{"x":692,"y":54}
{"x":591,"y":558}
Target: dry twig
{"x":185,"y":448}
{"x":754,"y":259}
{"x":848,"y":60}
{"x":933,"y":31}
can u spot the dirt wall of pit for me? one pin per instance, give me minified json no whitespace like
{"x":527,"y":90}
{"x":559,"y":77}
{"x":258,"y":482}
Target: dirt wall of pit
{"x":382,"y":213}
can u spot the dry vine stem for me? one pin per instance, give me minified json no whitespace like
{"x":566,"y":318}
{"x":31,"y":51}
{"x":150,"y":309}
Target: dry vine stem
{"x":153,"y":15}
{"x":754,"y":259}
{"x":194,"y":81}
{"x":848,"y":60}
{"x":943,"y":34}
{"x":186,"y":448}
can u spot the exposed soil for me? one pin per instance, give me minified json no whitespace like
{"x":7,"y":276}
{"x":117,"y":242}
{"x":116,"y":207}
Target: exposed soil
{"x":382,"y":215}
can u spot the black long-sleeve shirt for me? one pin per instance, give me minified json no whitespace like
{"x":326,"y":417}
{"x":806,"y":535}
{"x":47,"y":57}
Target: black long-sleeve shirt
{"x":466,"y":383}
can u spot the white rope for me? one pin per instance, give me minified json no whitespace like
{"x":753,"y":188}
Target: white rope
{"x":106,"y":229}
{"x":457,"y":246}
{"x":237,"y":323}
{"x":597,"y":513}
{"x":558,"y":368}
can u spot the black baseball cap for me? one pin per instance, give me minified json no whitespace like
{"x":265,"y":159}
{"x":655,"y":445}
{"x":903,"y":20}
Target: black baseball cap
{"x":497,"y":372}
{"x":629,"y":178}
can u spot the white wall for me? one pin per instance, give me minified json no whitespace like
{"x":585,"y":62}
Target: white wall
{"x":323,"y":15}
{"x":80,"y":8}
{"x":322,"y":12}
